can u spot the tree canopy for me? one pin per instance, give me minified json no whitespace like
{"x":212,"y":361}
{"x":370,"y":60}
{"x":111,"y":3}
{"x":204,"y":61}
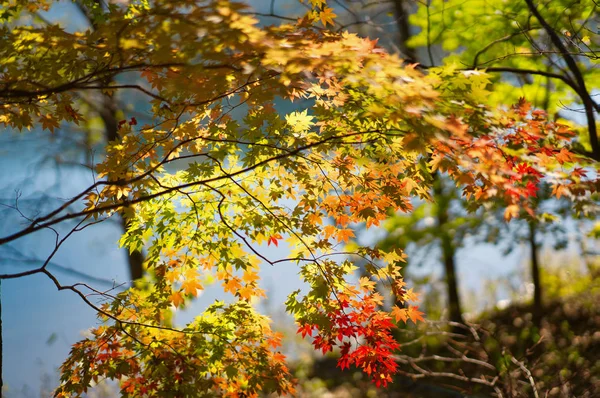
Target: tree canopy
{"x":259,"y":135}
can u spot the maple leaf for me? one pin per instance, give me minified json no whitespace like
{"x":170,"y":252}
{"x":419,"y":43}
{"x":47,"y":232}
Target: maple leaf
{"x":191,"y":286}
{"x":414,"y":314}
{"x":273,"y":239}
{"x":366,"y":284}
{"x":563,"y":156}
{"x":315,"y":218}
{"x":305,"y":329}
{"x":326,"y":15}
{"x":177,"y":299}
{"x":343,"y":235}
{"x":559,"y":190}
{"x":275,"y":340}
{"x":531,"y":189}
{"x":148,"y":74}
{"x":250,"y":277}
{"x":511,"y":211}
{"x":579,"y":172}
{"x":247,"y":292}
{"x":232,"y":285}
{"x":49,"y":122}
{"x":329,"y":230}
{"x":409,"y":295}
{"x":399,"y":314}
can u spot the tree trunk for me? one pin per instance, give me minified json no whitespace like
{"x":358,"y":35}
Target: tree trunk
{"x":535,"y":275}
{"x":108,"y":113}
{"x":448,"y":251}
{"x":401,"y":16}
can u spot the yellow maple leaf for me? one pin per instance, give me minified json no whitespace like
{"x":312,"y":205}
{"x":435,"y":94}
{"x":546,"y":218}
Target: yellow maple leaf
{"x":510,"y":212}
{"x":327,"y":15}
{"x":410,"y":295}
{"x":366,"y":284}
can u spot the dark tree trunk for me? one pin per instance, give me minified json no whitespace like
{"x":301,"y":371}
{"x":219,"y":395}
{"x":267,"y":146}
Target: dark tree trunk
{"x":535,"y":275}
{"x":108,"y":113}
{"x":401,"y":16}
{"x":448,"y":252}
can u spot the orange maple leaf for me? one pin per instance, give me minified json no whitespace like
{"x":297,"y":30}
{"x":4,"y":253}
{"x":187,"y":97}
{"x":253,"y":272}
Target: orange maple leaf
{"x":315,"y":218}
{"x":191,"y":286}
{"x":177,"y":299}
{"x":247,"y":292}
{"x":329,"y":230}
{"x":414,"y":314}
{"x":399,"y":314}
{"x":232,"y":285}
{"x":344,"y":235}
{"x":250,"y":276}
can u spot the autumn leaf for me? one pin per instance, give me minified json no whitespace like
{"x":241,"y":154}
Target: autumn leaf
{"x":177,"y":299}
{"x":191,"y":286}
{"x":409,"y":295}
{"x":250,"y":277}
{"x":326,"y":15}
{"x":246,"y":292}
{"x":329,"y":230}
{"x":315,"y":218}
{"x":232,"y":285}
{"x":511,"y":212}
{"x":305,"y":329}
{"x":273,"y":239}
{"x":343,"y":235}
{"x":49,"y":122}
{"x":399,"y":314}
{"x":366,"y":284}
{"x":414,"y":314}
{"x":559,"y":190}
{"x":531,"y":189}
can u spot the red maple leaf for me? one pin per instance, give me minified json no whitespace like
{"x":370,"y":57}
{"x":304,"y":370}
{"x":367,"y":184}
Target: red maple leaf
{"x":273,"y":239}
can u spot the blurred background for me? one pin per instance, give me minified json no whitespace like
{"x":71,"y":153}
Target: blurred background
{"x":515,"y":301}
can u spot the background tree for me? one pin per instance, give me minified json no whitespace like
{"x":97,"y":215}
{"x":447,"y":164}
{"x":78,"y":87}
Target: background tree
{"x":529,"y":51}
